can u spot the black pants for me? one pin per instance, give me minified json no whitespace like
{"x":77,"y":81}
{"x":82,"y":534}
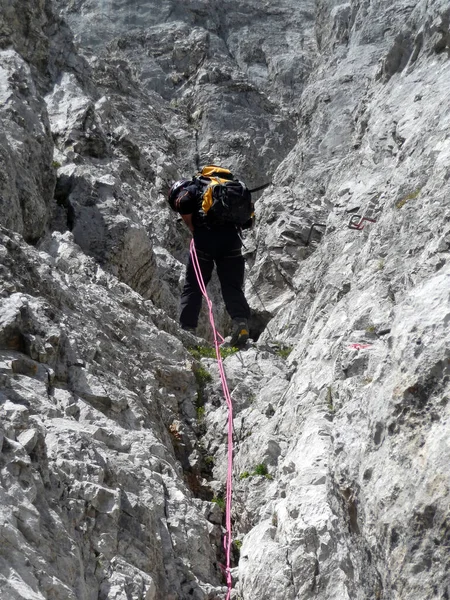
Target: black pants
{"x":223,"y":248}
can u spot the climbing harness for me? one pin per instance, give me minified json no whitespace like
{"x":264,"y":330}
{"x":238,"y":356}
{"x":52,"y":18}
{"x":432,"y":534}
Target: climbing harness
{"x":226,"y":392}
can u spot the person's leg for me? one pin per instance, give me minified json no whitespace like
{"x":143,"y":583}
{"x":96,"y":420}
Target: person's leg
{"x":191,"y":297}
{"x":230,"y":270}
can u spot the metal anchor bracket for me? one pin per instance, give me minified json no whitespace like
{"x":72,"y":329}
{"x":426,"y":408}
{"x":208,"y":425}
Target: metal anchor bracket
{"x":311,"y":230}
{"x":357,"y":222}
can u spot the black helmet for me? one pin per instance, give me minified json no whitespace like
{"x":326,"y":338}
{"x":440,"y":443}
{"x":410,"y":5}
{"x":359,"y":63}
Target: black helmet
{"x":175,"y":189}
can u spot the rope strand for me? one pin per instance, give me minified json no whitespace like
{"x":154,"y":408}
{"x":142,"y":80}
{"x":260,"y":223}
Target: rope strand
{"x":226,"y":392}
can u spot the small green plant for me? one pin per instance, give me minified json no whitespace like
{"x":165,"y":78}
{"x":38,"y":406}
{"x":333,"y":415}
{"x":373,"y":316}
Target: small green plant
{"x":371,"y":329}
{"x":220,"y":501}
{"x":261,"y":469}
{"x":199,"y":352}
{"x":380,"y":265}
{"x":228,"y":351}
{"x":56,"y":164}
{"x":202,"y":376}
{"x":200,"y":413}
{"x":410,"y":196}
{"x":209,"y":460}
{"x":283,"y":351}
{"x":237,"y":545}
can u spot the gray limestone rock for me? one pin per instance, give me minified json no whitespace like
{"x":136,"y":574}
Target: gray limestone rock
{"x":113,"y":435}
{"x":26,"y":150}
{"x":79,"y":489}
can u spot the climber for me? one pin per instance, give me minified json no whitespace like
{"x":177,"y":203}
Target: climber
{"x":216,"y":242}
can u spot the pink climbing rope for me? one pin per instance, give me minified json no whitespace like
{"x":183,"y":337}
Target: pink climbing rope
{"x":226,"y":392}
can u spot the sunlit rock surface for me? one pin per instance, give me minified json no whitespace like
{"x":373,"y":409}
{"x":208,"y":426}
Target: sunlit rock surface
{"x":112,"y":433}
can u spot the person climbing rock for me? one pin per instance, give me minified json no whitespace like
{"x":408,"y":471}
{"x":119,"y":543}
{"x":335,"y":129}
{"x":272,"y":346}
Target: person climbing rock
{"x":215,"y":207}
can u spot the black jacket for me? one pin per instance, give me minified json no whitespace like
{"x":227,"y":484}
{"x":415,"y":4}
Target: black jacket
{"x":189,"y":202}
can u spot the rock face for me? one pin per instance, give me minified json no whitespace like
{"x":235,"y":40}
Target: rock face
{"x":26,"y":150}
{"x":113,"y":431}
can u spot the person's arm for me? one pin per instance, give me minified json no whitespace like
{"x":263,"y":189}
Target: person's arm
{"x":188,"y":220}
{"x":187,"y":204}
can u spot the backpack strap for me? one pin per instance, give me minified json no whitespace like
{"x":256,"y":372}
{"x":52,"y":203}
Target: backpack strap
{"x":260,"y":187}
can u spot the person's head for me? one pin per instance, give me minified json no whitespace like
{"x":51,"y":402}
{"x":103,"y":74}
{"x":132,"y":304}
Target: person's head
{"x":175,"y":189}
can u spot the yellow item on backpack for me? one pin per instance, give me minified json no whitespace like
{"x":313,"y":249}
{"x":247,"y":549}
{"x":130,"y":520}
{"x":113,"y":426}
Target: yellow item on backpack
{"x":214,"y":171}
{"x":216,"y":175}
{"x":224,"y":198}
